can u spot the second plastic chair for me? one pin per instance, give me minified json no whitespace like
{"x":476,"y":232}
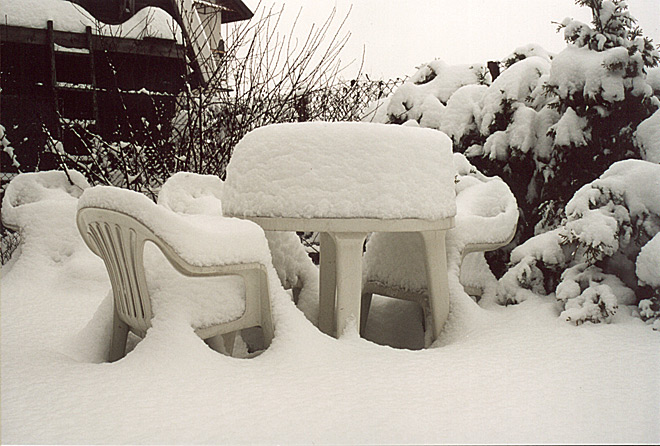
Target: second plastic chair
{"x":116,"y":224}
{"x":486,"y":218}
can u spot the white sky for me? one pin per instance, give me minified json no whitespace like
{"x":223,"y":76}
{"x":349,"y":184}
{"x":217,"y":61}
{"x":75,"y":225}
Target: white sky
{"x":399,"y":35}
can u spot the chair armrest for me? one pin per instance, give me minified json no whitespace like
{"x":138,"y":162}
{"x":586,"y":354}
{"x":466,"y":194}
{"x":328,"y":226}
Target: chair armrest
{"x":492,"y":246}
{"x":197,"y":240}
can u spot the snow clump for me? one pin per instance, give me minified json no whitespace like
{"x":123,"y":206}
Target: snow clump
{"x":423,"y":97}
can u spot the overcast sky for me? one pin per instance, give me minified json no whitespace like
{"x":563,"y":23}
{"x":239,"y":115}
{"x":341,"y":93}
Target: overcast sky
{"x":398,"y":35}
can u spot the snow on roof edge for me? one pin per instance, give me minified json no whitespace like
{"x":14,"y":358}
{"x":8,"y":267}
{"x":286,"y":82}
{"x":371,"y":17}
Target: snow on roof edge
{"x":69,"y":17}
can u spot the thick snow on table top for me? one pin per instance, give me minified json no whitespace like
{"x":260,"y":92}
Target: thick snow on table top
{"x":341,"y":170}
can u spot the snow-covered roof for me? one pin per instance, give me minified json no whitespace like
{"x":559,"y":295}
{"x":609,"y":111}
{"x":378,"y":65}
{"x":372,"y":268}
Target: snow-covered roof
{"x":69,"y":17}
{"x":234,"y":10}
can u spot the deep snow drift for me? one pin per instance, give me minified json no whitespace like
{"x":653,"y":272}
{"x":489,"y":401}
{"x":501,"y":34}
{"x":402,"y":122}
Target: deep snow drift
{"x":499,"y":375}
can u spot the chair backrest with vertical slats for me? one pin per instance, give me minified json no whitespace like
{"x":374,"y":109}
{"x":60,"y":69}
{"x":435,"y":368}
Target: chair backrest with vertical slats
{"x":119,"y":240}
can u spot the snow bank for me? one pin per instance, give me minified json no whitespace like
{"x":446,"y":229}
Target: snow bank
{"x":634,"y":182}
{"x":463,"y":111}
{"x":653,"y":79}
{"x":545,"y":247}
{"x":31,"y":189}
{"x":198,"y":239}
{"x":607,"y":221}
{"x":348,"y":170}
{"x":67,"y":16}
{"x":525,"y":51}
{"x":571,"y":129}
{"x":423,"y":96}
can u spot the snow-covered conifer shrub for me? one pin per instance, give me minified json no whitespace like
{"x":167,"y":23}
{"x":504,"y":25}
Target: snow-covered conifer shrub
{"x":647,"y":268}
{"x":647,"y":138}
{"x":598,"y":86}
{"x":605,"y":253}
{"x":549,"y":123}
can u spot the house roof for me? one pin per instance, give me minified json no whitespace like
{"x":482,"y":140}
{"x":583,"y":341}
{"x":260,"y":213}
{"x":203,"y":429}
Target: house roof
{"x":110,"y":11}
{"x":234,"y":11}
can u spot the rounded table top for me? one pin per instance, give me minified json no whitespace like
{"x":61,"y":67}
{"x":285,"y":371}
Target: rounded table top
{"x":341,"y":170}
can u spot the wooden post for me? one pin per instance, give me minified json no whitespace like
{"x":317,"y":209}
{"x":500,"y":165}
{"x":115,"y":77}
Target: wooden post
{"x":53,"y":69}
{"x":92,"y":67}
{"x":53,"y":78}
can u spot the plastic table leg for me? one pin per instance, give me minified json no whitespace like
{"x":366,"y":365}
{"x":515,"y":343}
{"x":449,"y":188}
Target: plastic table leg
{"x":349,"y":278}
{"x":328,"y":284}
{"x":437,"y":278}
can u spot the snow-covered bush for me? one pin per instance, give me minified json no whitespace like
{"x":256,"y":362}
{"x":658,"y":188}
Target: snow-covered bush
{"x":598,"y":86}
{"x":549,"y":123}
{"x":583,"y":116}
{"x":7,"y":149}
{"x":424,"y":96}
{"x":647,"y":268}
{"x":604,"y":254}
{"x":647,"y":138}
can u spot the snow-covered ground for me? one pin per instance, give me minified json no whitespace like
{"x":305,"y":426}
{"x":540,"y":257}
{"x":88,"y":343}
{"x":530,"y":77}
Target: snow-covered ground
{"x":515,"y":374}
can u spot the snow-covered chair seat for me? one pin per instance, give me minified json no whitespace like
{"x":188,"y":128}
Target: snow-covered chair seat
{"x":116,"y":224}
{"x":191,"y":193}
{"x":486,"y":219}
{"x":38,"y":188}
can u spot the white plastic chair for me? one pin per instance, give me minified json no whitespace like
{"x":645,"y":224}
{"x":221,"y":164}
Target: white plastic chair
{"x":486,"y":219}
{"x":195,"y":194}
{"x":116,"y":224}
{"x":34,"y":187}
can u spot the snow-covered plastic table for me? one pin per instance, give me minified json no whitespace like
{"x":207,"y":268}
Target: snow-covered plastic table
{"x":346,"y":180}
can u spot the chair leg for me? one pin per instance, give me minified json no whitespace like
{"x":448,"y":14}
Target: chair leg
{"x":427,"y":323}
{"x":364,"y":312}
{"x":296,"y":294}
{"x":118,"y":341}
{"x":257,"y":303}
{"x":266,"y":314}
{"x":229,"y":339}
